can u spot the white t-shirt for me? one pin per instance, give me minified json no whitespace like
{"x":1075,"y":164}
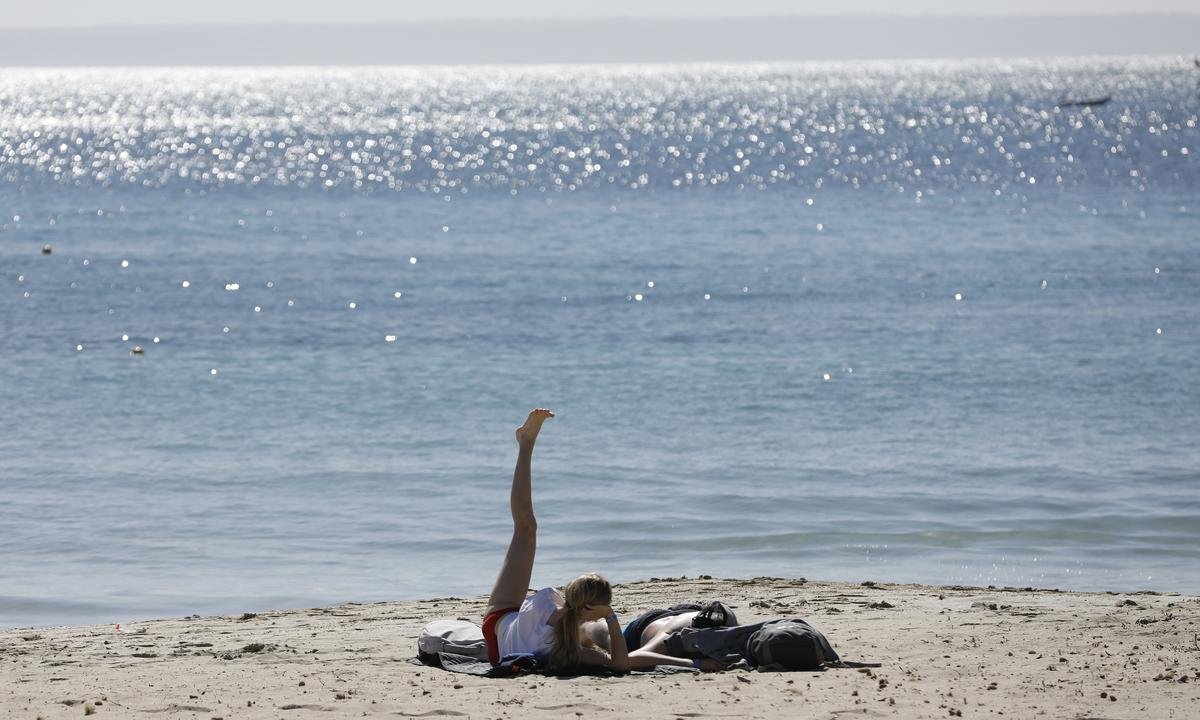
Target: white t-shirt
{"x":528,"y":630}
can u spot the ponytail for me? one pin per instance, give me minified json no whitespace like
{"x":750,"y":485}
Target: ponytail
{"x":566,"y":640}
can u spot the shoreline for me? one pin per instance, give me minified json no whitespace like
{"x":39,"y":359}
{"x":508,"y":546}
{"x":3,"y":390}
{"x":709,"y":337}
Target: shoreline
{"x":946,"y":651}
{"x":117,"y":614}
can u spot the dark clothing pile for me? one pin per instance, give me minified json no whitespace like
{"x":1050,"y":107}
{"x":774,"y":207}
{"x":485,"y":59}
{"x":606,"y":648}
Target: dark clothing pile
{"x":790,"y":644}
{"x":785,"y":644}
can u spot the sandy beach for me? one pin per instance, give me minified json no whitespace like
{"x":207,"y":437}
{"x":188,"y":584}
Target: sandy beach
{"x":945,"y":652}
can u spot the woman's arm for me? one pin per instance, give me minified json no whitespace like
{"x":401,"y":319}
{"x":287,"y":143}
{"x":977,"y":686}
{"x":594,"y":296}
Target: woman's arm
{"x":639,"y":659}
{"x":642,"y":658}
{"x":616,"y":644}
{"x":618,"y":656}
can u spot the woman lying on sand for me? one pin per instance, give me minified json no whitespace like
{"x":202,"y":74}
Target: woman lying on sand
{"x":547,"y":623}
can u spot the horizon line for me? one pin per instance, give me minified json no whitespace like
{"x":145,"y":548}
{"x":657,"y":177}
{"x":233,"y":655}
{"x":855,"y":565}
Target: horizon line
{"x":1032,"y":57}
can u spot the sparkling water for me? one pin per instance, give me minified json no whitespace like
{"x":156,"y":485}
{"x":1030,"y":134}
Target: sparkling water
{"x":919,"y":322}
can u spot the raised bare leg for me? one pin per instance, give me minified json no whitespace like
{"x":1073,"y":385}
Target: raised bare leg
{"x":513,"y":580}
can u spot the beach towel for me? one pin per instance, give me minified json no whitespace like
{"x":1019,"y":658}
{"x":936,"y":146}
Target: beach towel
{"x":525,"y":664}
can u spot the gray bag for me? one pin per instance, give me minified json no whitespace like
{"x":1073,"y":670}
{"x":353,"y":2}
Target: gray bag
{"x":453,"y":637}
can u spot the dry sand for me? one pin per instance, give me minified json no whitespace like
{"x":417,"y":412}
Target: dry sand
{"x":946,"y":652}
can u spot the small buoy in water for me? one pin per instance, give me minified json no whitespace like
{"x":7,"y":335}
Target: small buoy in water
{"x":137,"y":350}
{"x":46,"y":249}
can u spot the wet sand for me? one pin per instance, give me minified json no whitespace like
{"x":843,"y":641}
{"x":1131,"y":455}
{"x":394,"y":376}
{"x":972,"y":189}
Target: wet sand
{"x":946,"y":652}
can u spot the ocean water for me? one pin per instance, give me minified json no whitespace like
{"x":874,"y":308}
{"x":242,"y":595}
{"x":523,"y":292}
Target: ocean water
{"x":903,"y":322}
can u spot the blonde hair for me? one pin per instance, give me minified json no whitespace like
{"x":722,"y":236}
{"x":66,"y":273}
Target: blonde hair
{"x":587,"y":589}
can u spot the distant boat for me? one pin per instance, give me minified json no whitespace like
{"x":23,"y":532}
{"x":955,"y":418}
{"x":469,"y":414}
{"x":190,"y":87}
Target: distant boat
{"x":1084,"y":102}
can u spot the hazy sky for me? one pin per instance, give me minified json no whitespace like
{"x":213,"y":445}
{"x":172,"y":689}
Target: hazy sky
{"x":52,"y":13}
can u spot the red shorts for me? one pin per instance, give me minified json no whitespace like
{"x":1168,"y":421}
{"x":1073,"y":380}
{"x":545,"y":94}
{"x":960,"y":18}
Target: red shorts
{"x":489,"y":632}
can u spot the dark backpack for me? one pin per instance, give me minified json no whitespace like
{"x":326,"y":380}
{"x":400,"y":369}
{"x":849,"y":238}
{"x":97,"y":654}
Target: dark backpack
{"x":789,"y":645}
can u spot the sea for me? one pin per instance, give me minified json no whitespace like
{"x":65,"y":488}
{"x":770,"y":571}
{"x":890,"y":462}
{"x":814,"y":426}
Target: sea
{"x":265,"y":333}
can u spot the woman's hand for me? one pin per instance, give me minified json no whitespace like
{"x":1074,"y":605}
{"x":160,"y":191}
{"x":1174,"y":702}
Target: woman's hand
{"x":597,"y":612}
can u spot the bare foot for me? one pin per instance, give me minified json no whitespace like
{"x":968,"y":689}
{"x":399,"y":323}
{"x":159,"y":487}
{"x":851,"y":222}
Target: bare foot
{"x":527,"y":433}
